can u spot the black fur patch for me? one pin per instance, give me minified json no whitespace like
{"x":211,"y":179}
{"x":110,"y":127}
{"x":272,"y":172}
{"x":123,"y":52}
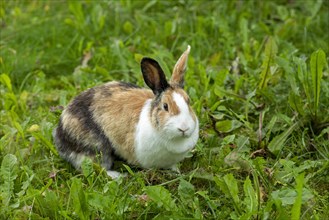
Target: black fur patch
{"x":80,"y":108}
{"x":158,"y":98}
{"x":156,"y":101}
{"x":155,"y":105}
{"x":128,"y":85}
{"x":66,"y":144}
{"x":106,"y":91}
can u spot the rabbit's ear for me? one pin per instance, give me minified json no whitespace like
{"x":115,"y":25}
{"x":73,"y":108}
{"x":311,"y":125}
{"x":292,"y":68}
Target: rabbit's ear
{"x":153,"y":75}
{"x":177,"y":77}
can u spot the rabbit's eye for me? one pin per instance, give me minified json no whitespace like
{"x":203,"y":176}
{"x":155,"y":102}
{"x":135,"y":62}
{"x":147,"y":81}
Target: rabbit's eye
{"x":165,"y":106}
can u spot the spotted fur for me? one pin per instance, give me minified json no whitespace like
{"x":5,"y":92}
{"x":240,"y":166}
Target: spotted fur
{"x":148,"y":128}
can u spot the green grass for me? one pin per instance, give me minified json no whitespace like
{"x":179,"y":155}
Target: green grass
{"x":257,"y":77}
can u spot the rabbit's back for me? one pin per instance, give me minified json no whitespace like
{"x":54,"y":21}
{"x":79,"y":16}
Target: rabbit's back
{"x":101,"y":120}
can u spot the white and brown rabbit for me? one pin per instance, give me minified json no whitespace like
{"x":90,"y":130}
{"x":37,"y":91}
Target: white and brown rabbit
{"x":150,"y":128}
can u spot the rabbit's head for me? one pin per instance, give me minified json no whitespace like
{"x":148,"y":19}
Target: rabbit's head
{"x":171,"y":113}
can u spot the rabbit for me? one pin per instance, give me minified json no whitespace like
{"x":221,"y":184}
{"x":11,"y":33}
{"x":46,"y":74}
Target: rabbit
{"x":150,"y":128}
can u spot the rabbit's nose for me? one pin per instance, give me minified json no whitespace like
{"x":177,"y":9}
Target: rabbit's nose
{"x":183,"y":130}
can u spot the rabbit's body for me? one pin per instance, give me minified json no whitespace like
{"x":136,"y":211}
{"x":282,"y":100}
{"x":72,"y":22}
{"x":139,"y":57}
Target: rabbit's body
{"x":149,"y":128}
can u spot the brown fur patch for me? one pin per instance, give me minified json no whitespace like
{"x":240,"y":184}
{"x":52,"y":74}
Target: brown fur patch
{"x":172,"y":107}
{"x":159,"y":115}
{"x":187,"y":100}
{"x":118,"y":116}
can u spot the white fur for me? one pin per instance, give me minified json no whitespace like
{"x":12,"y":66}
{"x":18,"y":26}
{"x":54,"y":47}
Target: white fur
{"x":77,"y":158}
{"x":165,"y":148}
{"x":183,"y":120}
{"x":114,"y":174}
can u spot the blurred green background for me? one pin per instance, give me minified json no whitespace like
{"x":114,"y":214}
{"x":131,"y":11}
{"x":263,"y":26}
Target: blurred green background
{"x":53,"y":35}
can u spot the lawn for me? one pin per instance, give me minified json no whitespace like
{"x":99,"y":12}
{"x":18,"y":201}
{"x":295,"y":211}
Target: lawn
{"x":258,"y":81}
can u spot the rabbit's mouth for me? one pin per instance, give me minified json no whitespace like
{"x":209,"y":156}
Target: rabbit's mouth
{"x":180,"y":136}
{"x":185,"y":135}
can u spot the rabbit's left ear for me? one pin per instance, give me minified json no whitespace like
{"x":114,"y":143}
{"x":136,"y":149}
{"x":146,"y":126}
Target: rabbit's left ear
{"x":177,"y":77}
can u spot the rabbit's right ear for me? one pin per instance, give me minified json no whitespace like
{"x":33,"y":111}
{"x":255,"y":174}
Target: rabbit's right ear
{"x":153,"y":75}
{"x":177,"y":77}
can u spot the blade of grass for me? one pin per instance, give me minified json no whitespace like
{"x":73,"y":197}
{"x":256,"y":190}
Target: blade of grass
{"x":79,"y":199}
{"x":276,"y":144}
{"x":8,"y":173}
{"x":296,"y":208}
{"x":229,"y":185}
{"x":270,"y":52}
{"x":251,"y":198}
{"x":318,"y":61}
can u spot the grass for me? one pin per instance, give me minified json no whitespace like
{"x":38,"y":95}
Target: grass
{"x":257,"y":77}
